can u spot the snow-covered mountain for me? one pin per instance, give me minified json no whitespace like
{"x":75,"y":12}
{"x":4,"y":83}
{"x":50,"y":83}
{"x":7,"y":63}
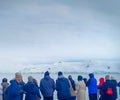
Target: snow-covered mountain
{"x":84,"y":66}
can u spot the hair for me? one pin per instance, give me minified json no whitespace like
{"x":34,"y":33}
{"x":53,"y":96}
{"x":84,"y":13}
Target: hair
{"x":17,"y":74}
{"x":112,"y":78}
{"x":30,"y":78}
{"x":72,"y":82}
{"x":107,"y":77}
{"x":69,"y":77}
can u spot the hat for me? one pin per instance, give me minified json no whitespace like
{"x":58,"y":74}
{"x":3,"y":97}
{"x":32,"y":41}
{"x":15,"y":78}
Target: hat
{"x":46,"y":73}
{"x":60,"y":73}
{"x":4,"y":80}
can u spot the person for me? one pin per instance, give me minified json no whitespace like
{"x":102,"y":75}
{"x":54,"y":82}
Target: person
{"x":107,"y":89}
{"x":100,"y":94}
{"x":47,"y":86}
{"x":118,"y":84}
{"x":85,"y":80}
{"x":72,"y":88}
{"x":36,"y":84}
{"x":21,"y":83}
{"x":114,"y":83}
{"x":4,"y":85}
{"x":32,"y":92}
{"x":92,"y":87}
{"x":119,"y":87}
{"x":62,"y":87}
{"x":81,"y":89}
{"x":1,"y":92}
{"x":14,"y":91}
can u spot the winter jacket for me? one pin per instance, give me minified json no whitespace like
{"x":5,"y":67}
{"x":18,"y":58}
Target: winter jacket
{"x":92,"y":85}
{"x":4,"y":85}
{"x":21,"y":84}
{"x":47,"y":86}
{"x":63,"y":88}
{"x":1,"y":92}
{"x":13,"y":91}
{"x":100,"y":94}
{"x":72,"y":90}
{"x":114,"y":83}
{"x":81,"y":90}
{"x":119,"y":84}
{"x":106,"y":85}
{"x":31,"y":91}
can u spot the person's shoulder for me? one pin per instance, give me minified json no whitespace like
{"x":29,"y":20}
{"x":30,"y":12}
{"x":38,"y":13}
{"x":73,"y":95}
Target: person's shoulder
{"x":42,"y":79}
{"x":51,"y":79}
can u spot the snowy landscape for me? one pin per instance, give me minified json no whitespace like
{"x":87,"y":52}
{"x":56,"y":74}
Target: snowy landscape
{"x":83,"y":66}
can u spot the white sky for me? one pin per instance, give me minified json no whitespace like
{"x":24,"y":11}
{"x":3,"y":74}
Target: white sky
{"x":33,"y":31}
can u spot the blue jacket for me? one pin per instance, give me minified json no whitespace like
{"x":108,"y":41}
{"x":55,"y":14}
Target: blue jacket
{"x":92,"y":85}
{"x":31,"y":91}
{"x":13,"y":91}
{"x":21,"y":84}
{"x":47,"y":86}
{"x":63,"y":88}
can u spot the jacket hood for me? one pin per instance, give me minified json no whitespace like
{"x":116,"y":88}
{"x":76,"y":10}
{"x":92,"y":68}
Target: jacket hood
{"x":61,"y":78}
{"x":91,"y":75}
{"x":101,"y":81}
{"x":47,"y":77}
{"x":13,"y":81}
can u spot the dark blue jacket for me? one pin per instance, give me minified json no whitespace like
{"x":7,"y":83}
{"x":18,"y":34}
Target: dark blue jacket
{"x":106,"y":85}
{"x":114,"y":83}
{"x":21,"y":84}
{"x":119,"y":84}
{"x":13,"y":91}
{"x":63,"y":88}
{"x":31,"y":91}
{"x":47,"y":86}
{"x":92,"y":85}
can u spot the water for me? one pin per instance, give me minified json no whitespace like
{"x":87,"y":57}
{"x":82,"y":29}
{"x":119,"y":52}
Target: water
{"x":39,"y":76}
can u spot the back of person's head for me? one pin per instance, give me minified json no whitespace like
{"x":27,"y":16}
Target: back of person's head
{"x":30,"y":78}
{"x":60,"y":73}
{"x":80,"y":78}
{"x":112,"y":78}
{"x":46,"y":73}
{"x":91,"y":75}
{"x":69,"y":77}
{"x":4,"y":80}
{"x":107,"y":77}
{"x":18,"y":76}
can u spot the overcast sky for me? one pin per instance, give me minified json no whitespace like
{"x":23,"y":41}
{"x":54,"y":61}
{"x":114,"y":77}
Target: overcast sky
{"x":47,"y":30}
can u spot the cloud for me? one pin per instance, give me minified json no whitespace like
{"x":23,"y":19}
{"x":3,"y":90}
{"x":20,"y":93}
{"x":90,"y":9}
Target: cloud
{"x":31,"y":31}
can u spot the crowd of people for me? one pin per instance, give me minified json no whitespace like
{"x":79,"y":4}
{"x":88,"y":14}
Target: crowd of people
{"x":67,"y":88}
